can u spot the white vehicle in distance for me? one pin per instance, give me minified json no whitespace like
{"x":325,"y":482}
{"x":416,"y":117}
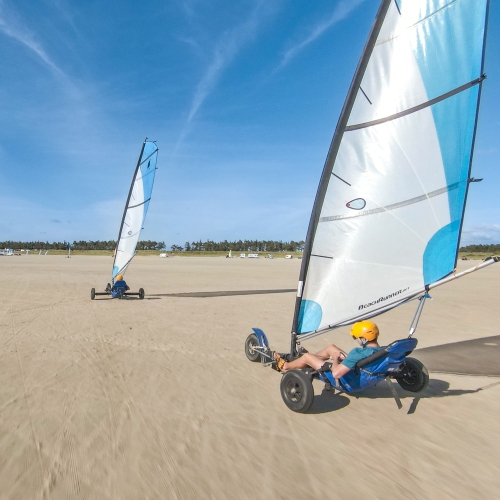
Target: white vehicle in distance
{"x":242,"y":255}
{"x":270,"y":256}
{"x":253,"y":255}
{"x":164,"y":255}
{"x":288,"y":256}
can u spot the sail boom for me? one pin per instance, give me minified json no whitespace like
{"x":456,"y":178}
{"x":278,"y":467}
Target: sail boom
{"x":388,"y":307}
{"x":455,"y":275}
{"x":361,"y":317}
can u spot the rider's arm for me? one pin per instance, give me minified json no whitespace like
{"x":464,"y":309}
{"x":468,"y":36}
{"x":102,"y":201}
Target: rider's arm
{"x":340,"y":370}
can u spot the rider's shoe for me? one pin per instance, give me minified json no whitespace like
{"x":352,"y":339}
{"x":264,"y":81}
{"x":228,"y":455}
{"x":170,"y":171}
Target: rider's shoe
{"x":108,"y":288}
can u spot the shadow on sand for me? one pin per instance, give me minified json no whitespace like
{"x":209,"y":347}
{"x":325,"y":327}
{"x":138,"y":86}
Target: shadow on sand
{"x":329,"y":401}
{"x":479,"y":357}
{"x":228,"y":293}
{"x":470,"y":357}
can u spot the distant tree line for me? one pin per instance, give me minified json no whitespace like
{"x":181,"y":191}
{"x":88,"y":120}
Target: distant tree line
{"x":78,"y":245}
{"x":240,"y":246}
{"x":198,"y":246}
{"x":492,"y":249}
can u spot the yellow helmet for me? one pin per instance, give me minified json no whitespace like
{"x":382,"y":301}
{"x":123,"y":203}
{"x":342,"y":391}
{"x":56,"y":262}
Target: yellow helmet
{"x":119,"y":277}
{"x":365,"y":329}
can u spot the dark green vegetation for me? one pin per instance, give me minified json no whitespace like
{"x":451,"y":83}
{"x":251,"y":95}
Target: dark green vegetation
{"x":207,"y":248}
{"x":195,"y":246}
{"x":478,"y":252}
{"x":241,"y":246}
{"x":490,"y":249}
{"x":78,"y":245}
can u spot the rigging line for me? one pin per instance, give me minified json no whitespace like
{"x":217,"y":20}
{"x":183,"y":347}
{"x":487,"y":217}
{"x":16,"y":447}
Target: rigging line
{"x":135,"y":206}
{"x":340,"y":179}
{"x":397,"y":6}
{"x":148,"y":157}
{"x":419,"y":107}
{"x":393,"y":206}
{"x":364,"y":93}
{"x":322,"y":256}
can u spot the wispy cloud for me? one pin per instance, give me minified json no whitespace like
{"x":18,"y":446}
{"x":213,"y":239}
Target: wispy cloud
{"x":66,"y":13}
{"x":224,"y":52}
{"x":341,"y":11}
{"x":13,"y":28}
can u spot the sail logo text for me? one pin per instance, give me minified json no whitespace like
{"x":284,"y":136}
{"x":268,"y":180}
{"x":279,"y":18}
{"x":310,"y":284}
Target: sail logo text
{"x":382,"y":299}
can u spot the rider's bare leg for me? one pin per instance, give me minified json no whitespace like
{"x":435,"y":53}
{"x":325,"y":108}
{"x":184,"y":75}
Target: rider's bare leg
{"x":331,"y":352}
{"x":304,"y":361}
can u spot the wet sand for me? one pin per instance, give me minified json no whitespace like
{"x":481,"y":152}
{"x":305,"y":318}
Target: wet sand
{"x":132,"y":399}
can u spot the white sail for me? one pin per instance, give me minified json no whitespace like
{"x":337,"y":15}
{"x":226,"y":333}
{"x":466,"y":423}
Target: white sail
{"x":389,"y":208}
{"x":136,"y":208}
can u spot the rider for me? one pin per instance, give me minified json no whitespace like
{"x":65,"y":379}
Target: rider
{"x":364,"y":332}
{"x":119,"y":287}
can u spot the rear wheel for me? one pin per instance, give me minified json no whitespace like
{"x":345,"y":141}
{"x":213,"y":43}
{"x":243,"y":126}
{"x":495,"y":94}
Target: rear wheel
{"x":141,"y":293}
{"x":414,"y":376}
{"x":297,"y":390}
{"x":92,"y":293}
{"x":251,"y":343}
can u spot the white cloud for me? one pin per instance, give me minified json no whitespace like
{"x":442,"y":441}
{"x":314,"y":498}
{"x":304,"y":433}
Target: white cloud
{"x":341,"y":11}
{"x":13,"y":28}
{"x":481,"y":234}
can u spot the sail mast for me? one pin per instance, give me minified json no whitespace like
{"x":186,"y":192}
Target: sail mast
{"x":128,"y":199}
{"x":332,"y":154}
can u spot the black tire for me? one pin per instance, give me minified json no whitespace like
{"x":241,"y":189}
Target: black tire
{"x":297,"y":390}
{"x":92,"y":293}
{"x":414,"y":376}
{"x":250,"y":343}
{"x":141,"y":293}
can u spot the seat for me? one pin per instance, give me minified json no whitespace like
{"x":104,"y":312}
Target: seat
{"x":374,"y":368}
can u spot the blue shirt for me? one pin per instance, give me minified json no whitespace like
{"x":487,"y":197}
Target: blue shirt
{"x":120,"y":284}
{"x":357,"y":354}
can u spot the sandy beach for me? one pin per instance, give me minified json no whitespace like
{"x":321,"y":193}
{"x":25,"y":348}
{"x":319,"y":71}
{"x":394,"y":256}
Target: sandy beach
{"x":155,"y":399}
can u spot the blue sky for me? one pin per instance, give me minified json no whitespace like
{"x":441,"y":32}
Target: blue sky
{"x":242,"y":97}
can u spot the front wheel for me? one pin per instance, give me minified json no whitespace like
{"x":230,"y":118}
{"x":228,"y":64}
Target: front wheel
{"x":297,"y":390}
{"x":141,"y":293}
{"x":414,"y":376}
{"x":92,"y":293}
{"x":251,"y":343}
